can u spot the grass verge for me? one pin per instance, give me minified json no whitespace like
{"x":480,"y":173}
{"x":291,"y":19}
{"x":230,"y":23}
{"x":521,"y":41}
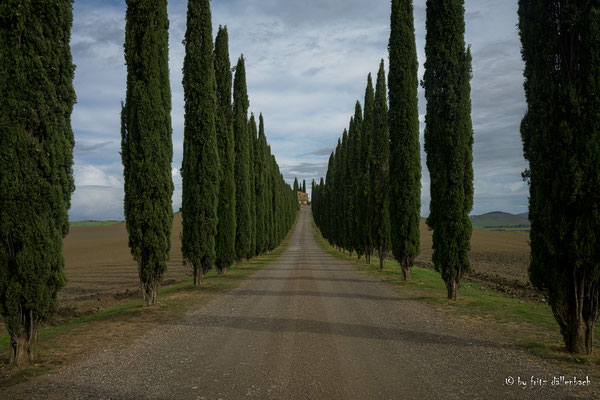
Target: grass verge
{"x":530,"y":325}
{"x":66,"y":342}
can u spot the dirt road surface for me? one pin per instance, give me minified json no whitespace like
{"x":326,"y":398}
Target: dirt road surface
{"x":309,"y":326}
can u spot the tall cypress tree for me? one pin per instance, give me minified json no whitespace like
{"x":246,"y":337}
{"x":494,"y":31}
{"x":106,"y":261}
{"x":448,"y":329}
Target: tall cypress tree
{"x":379,"y":167}
{"x":260,"y":161}
{"x":268,"y":201}
{"x":252,"y":132}
{"x":405,"y":157}
{"x":225,"y":239}
{"x":304,"y":185}
{"x":200,"y":169}
{"x":36,"y":157}
{"x":146,"y":145}
{"x":296,"y":187}
{"x":449,"y":139}
{"x":355,"y":171}
{"x":243,"y":234}
{"x":342,"y":182}
{"x":561,"y":140}
{"x":365,"y":176}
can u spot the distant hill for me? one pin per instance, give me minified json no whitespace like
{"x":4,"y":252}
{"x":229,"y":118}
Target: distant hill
{"x":501,"y":221}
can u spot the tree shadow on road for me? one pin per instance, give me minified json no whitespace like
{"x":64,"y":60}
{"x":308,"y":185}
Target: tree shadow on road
{"x":302,"y":293}
{"x":290,"y":325}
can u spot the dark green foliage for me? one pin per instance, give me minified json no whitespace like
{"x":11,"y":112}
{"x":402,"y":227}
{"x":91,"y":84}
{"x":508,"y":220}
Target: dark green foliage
{"x":356,"y":181}
{"x":365,"y":163}
{"x":337,"y":199}
{"x":561,"y":139}
{"x":146,"y":147}
{"x":200,"y":169}
{"x":296,"y":187}
{"x":225,"y":239}
{"x":251,"y":144}
{"x":405,"y":157}
{"x":269,"y":201}
{"x":379,"y":171}
{"x":223,"y":76}
{"x":303,"y":185}
{"x":449,"y":139}
{"x":243,"y":236}
{"x":260,"y":182}
{"x":36,"y":157}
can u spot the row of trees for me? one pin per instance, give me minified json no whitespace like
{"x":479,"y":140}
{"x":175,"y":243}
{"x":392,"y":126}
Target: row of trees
{"x":352,"y":207}
{"x":560,"y":46}
{"x":235,"y":204}
{"x":371,"y":199}
{"x":297,"y":187}
{"x":223,"y":151}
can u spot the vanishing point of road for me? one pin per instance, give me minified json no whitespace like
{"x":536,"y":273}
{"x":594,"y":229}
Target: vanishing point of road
{"x":308,"y":326}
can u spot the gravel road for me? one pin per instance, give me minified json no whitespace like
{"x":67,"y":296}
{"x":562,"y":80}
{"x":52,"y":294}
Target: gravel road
{"x":309,"y":326}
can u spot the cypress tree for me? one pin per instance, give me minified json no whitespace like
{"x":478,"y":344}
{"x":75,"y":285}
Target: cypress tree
{"x":405,"y":157}
{"x":449,"y":139}
{"x":338,"y":201}
{"x":561,"y":140}
{"x":355,"y":171}
{"x":296,"y":188}
{"x":260,"y":161}
{"x":243,"y":235}
{"x":304,"y":185}
{"x":365,"y":176}
{"x":342,"y":191}
{"x":269,"y":201}
{"x":36,"y":157}
{"x":200,"y":170}
{"x":380,"y":150}
{"x":329,"y":210}
{"x":225,"y":238}
{"x":146,"y":144}
{"x":251,"y":143}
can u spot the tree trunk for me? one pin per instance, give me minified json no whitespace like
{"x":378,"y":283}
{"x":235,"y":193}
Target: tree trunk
{"x":200,"y":276}
{"x":576,"y":318}
{"x":406,"y":270}
{"x":154,"y":292}
{"x":381,"y":261}
{"x":578,"y":338}
{"x":238,"y":263}
{"x":195,"y":275}
{"x":149,"y":290}
{"x":223,"y":271}
{"x":144,"y":297}
{"x":452,"y":287}
{"x":358,"y":255}
{"x":23,"y":344}
{"x":368,"y":258}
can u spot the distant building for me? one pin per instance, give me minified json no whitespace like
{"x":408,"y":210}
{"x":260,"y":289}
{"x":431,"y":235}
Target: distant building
{"x":302,"y":198}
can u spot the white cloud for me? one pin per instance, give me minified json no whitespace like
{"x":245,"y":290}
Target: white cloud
{"x":91,"y":175}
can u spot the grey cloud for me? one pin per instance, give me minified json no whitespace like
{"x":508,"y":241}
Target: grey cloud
{"x":325,"y":151}
{"x":83,"y":148}
{"x":307,"y":64}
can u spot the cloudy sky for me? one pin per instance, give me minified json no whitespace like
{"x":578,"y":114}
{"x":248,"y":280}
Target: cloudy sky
{"x":307,"y":64}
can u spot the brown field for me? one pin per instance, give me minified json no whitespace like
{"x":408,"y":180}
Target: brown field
{"x":499,"y":260}
{"x":101,"y":271}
